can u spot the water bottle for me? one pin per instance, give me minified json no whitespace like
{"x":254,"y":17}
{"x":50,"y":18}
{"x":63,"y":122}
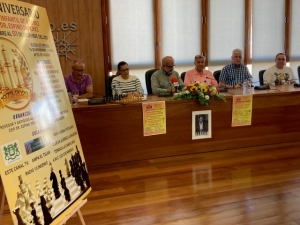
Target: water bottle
{"x":245,"y":86}
{"x":249,"y":88}
{"x":114,"y":93}
{"x":70,"y":96}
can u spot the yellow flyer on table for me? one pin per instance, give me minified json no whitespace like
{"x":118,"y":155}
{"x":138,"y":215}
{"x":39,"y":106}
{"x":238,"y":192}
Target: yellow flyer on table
{"x":241,"y":110}
{"x":154,"y":118}
{"x":42,"y":165}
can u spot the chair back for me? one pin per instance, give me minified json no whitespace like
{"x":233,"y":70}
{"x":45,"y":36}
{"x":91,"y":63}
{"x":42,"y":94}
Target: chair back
{"x":217,"y":75}
{"x":182,"y":76}
{"x":108,"y":82}
{"x":148,"y":76}
{"x":261,"y":77}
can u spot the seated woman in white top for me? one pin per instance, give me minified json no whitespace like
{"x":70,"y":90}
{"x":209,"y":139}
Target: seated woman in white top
{"x":127,"y":83}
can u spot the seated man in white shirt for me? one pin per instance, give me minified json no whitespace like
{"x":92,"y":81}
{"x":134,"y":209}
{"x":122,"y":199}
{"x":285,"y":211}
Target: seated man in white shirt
{"x":280,"y":71}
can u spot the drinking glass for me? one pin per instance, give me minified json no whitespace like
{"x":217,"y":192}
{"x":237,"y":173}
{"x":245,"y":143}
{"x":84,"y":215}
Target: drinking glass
{"x":75,"y":94}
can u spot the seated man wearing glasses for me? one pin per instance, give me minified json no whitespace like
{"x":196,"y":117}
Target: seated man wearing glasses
{"x":279,"y":71}
{"x":129,"y":84}
{"x":78,"y":80}
{"x":166,"y":80}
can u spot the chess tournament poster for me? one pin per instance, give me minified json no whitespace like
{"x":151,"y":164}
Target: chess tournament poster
{"x":241,"y":110}
{"x":154,"y":118}
{"x":41,"y":160}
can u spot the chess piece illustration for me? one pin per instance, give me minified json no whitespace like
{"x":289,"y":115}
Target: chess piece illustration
{"x":85,"y":175}
{"x":36,"y":219}
{"x":46,"y":211}
{"x":55,"y":187}
{"x":67,"y":168}
{"x":24,"y":195}
{"x":67,"y":193}
{"x":62,"y":179}
{"x":17,"y":212}
{"x":48,"y":196}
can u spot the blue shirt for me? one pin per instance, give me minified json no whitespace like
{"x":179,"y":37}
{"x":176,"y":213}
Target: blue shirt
{"x":232,"y":74}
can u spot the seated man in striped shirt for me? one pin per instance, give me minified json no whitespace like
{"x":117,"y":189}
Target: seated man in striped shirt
{"x":233,"y":75}
{"x":127,"y":83}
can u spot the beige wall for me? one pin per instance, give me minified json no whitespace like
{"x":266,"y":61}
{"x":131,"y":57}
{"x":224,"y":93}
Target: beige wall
{"x":87,"y":15}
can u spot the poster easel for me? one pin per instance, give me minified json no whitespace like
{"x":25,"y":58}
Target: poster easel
{"x":78,"y":213}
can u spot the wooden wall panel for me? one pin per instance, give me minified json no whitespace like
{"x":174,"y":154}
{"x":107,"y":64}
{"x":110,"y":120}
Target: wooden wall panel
{"x":87,"y":15}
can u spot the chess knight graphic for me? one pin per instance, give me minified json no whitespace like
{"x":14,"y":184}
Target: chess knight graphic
{"x":16,"y":89}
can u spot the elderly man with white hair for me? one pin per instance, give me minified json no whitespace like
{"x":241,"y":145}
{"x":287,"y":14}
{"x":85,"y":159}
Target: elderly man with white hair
{"x":233,"y":75}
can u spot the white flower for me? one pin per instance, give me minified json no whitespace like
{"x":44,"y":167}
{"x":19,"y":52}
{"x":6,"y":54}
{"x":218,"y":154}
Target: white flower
{"x":187,"y":92}
{"x":207,"y":97}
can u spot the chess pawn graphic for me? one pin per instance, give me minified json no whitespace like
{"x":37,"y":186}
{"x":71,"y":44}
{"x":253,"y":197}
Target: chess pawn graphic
{"x":37,"y":189}
{"x":47,"y":194}
{"x":64,"y":186}
{"x":46,"y":211}
{"x":35,"y":218}
{"x":67,"y":167}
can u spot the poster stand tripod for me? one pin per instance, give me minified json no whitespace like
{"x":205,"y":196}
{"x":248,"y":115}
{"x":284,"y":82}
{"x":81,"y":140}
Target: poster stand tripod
{"x":64,"y":221}
{"x":78,"y":214}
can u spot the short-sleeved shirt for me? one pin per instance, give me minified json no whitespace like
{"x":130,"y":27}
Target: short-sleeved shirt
{"x":72,"y":84}
{"x":191,"y":76}
{"x":232,"y":74}
{"x":270,"y":77}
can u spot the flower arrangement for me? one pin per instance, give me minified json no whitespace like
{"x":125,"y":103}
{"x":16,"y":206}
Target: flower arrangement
{"x":201,"y":91}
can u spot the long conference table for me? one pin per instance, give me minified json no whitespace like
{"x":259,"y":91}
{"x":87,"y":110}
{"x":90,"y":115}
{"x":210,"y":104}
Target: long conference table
{"x":113,"y":133}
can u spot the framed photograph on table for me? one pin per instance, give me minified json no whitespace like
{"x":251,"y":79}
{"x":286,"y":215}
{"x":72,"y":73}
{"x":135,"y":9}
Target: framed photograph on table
{"x":201,"y":124}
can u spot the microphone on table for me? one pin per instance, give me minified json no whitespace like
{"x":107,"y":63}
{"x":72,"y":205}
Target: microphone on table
{"x":295,"y":84}
{"x":97,"y":101}
{"x":222,"y":89}
{"x":175,"y":83}
{"x":263,"y":87}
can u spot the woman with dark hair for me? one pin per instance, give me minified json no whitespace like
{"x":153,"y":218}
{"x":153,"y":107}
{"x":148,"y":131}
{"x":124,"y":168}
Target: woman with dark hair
{"x":127,"y":83}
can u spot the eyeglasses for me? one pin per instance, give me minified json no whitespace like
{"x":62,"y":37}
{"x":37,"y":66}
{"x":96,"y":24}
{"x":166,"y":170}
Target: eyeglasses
{"x":170,"y":67}
{"x":124,"y":70}
{"x":78,"y":71}
{"x":281,"y":59}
